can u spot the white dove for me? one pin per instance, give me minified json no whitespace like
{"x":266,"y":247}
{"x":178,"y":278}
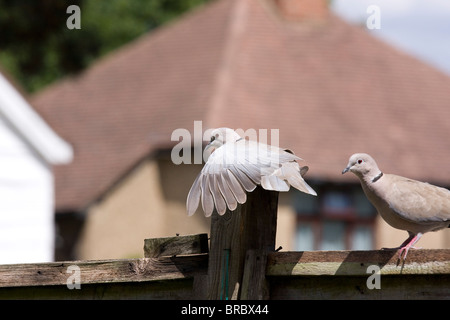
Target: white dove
{"x":237,"y":165}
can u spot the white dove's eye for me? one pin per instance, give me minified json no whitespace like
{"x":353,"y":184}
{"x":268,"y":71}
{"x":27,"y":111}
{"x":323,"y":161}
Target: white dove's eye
{"x":360,"y":161}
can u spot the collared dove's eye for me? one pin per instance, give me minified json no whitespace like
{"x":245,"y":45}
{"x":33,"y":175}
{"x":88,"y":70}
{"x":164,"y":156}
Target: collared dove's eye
{"x":212,"y":139}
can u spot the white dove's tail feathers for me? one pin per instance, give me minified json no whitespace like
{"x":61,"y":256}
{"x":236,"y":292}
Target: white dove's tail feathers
{"x":274,"y":183}
{"x":294,"y":176}
{"x":302,"y":186}
{"x":288,"y":174}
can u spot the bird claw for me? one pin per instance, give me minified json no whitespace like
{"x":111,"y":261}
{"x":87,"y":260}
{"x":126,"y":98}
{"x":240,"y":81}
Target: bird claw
{"x":406,"y":249}
{"x":409,"y":243}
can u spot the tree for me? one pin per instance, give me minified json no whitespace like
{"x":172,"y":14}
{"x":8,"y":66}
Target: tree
{"x":37,"y":48}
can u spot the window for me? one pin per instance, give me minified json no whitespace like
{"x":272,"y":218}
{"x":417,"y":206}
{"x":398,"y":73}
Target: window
{"x":340,"y":218}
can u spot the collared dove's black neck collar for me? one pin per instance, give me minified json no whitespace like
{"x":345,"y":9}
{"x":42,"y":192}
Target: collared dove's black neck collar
{"x":377,"y":177}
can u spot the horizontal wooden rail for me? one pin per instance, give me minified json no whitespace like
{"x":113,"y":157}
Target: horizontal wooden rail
{"x":104,"y":271}
{"x":355,"y":263}
{"x":288,"y":275}
{"x":359,"y":275}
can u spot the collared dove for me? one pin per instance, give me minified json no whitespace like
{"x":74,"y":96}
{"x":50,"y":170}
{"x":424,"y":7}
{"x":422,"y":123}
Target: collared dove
{"x":405,"y":204}
{"x":237,"y":165}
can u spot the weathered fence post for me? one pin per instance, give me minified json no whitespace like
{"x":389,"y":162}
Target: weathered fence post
{"x":252,"y":226}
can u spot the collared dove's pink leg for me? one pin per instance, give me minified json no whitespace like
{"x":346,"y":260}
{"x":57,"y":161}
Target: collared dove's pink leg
{"x":405,"y":247}
{"x":403,"y":243}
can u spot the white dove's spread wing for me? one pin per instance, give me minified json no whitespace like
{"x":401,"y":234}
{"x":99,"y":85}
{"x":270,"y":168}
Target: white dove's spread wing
{"x":239,"y":166}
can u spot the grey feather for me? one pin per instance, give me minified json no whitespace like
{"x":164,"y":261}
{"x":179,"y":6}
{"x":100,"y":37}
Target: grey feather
{"x":304,"y":170}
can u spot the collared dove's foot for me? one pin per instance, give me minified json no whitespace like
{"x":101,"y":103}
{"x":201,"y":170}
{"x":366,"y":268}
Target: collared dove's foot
{"x":406,"y":249}
{"x":408,"y":244}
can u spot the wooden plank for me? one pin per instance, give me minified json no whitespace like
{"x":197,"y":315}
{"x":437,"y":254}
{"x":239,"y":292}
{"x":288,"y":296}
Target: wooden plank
{"x":180,"y":245}
{"x":290,"y":275}
{"x":356,"y":263}
{"x":345,"y":275}
{"x":254,"y":284}
{"x":251,"y":226}
{"x":104,"y":271}
{"x":392,"y":287}
{"x":155,"y":290}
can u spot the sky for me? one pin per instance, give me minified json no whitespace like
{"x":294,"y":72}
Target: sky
{"x":419,"y":27}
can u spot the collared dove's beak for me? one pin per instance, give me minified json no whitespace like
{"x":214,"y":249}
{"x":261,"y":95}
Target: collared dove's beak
{"x":346,"y":170}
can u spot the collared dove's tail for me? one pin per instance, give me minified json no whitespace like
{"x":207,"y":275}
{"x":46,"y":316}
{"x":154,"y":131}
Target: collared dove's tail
{"x":289,"y":174}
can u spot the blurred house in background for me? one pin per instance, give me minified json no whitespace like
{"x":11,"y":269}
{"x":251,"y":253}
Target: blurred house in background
{"x":28,"y":150}
{"x":330,"y":88}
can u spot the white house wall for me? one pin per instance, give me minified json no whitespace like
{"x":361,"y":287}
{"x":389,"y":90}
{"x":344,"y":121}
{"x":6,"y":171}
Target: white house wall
{"x":26,"y":201}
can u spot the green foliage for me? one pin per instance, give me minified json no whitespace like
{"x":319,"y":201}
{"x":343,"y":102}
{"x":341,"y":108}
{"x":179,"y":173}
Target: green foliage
{"x":37,"y":48}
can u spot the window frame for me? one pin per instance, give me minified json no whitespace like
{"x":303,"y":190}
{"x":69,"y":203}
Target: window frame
{"x":316,"y":220}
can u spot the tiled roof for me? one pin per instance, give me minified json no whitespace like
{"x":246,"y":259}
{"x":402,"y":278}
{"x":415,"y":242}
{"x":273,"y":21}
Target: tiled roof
{"x":331,"y":88}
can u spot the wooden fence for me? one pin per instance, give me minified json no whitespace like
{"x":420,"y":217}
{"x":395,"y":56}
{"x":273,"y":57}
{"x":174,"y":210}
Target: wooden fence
{"x":241,"y":264}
